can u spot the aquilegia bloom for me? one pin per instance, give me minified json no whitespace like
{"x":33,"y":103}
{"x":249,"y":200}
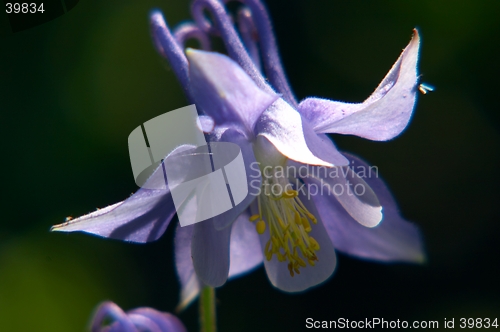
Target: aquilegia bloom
{"x":293,"y":229}
{"x":136,"y":320}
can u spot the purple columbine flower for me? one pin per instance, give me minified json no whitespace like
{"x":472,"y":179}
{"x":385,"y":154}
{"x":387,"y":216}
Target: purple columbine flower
{"x":109,"y":317}
{"x":292,"y":229}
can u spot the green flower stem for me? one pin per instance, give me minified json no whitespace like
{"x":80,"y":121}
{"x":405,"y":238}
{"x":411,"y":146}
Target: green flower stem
{"x":207,"y":310}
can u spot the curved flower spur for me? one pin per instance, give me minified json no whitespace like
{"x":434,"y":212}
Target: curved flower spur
{"x":136,"y":320}
{"x":294,"y":215}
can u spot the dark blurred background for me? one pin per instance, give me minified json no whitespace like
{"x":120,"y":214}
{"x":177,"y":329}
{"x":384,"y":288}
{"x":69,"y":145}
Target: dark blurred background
{"x":72,"y":90}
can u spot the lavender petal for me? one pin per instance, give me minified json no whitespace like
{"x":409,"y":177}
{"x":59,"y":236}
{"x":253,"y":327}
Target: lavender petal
{"x":210,"y":252}
{"x":384,"y":115}
{"x":394,"y":239}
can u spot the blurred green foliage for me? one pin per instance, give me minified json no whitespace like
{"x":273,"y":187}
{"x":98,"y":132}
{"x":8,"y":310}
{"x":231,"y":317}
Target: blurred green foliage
{"x":73,"y":89}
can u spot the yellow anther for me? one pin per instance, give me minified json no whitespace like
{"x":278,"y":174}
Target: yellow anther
{"x":276,"y":242}
{"x":285,"y":240}
{"x":298,"y":219}
{"x":301,"y":261}
{"x":299,"y":242}
{"x":290,"y":194}
{"x":306,"y":224}
{"x":314,"y":243}
{"x":282,"y":224}
{"x":310,"y":216}
{"x":290,"y":268}
{"x":254,"y":217}
{"x":281,"y":258}
{"x":266,"y":249}
{"x":311,"y":262}
{"x":304,"y":249}
{"x":260,"y":226}
{"x":269,"y":255}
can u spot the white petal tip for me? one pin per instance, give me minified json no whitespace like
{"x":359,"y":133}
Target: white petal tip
{"x":371,"y":221}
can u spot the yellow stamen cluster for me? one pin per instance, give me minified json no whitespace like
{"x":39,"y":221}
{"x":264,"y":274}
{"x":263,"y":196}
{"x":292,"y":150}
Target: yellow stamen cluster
{"x":289,"y":224}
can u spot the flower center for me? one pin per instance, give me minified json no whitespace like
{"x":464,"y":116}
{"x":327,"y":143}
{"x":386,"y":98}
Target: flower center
{"x":289,"y":223}
{"x":282,"y":213}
